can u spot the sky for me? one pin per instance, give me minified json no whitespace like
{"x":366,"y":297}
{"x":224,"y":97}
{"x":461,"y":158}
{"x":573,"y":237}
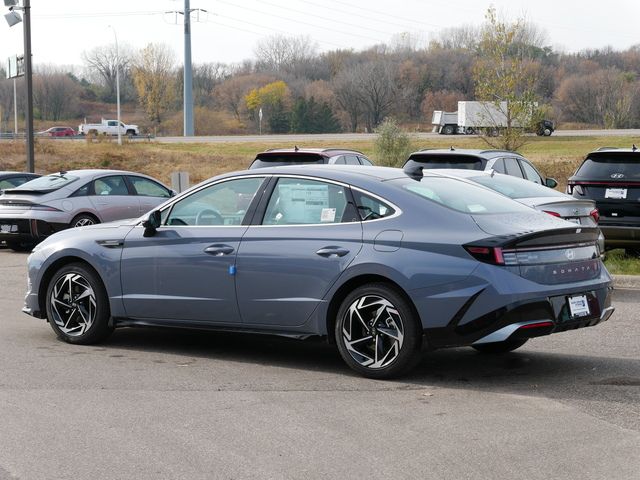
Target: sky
{"x":228,"y":30}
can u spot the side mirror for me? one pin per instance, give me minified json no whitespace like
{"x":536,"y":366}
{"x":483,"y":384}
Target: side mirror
{"x":151,"y":224}
{"x":551,"y":182}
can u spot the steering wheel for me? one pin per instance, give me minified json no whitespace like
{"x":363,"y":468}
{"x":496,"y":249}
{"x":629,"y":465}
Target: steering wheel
{"x":208,"y":216}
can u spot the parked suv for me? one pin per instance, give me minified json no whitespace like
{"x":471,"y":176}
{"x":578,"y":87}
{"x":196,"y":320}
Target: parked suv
{"x":501,"y":161}
{"x":297,"y":156}
{"x":611,"y":177}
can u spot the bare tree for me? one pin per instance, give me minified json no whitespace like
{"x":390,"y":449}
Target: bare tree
{"x":345,"y":87}
{"x":464,"y":37}
{"x":55,"y":93}
{"x":376,"y":89}
{"x":231,"y":93}
{"x":279,"y":53}
{"x":102,"y":63}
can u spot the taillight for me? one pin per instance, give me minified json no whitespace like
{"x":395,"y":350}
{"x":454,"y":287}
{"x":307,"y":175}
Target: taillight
{"x":595,"y":214}
{"x":487,"y":254}
{"x":573,"y":187}
{"x":45,"y":208}
{"x":555,"y":214}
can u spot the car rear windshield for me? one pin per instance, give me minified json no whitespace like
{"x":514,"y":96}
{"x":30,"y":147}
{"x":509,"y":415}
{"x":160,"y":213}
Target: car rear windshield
{"x":278,"y":160}
{"x":47,"y":183}
{"x":448,"y":161}
{"x":604,"y":166}
{"x":461,"y":196}
{"x":515,"y":187}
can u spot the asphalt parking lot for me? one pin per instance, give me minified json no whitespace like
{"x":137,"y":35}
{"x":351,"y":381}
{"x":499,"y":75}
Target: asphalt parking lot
{"x":163,"y":404}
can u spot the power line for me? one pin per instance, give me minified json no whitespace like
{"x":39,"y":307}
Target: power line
{"x":300,"y":22}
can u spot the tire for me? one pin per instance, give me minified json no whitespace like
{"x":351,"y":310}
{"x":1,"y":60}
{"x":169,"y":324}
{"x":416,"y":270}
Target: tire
{"x":448,"y":130}
{"x":83,"y":220}
{"x":469,"y":131}
{"x":131,"y":133}
{"x":496,"y":348}
{"x":395,"y":340}
{"x":77,"y":305}
{"x":547,"y":132}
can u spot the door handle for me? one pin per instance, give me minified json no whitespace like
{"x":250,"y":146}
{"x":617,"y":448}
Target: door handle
{"x":331,"y":251}
{"x":219,"y":250}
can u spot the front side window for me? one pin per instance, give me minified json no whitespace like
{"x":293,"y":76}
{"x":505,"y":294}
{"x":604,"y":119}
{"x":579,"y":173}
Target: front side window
{"x":530,"y":173}
{"x":365,"y":161}
{"x":114,"y":185}
{"x":224,"y":203}
{"x":148,"y":188}
{"x":352,"y":160}
{"x":306,"y":202}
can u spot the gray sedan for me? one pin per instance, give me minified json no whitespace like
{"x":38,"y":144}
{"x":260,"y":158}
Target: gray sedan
{"x":36,"y":209}
{"x":373,"y":259}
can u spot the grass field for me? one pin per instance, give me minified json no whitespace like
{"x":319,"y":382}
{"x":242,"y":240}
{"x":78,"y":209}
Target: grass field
{"x":556,"y":157}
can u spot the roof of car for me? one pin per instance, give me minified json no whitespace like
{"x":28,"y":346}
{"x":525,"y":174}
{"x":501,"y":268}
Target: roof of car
{"x":91,"y":172}
{"x":319,"y":151}
{"x":17,"y":173}
{"x":633,"y":150}
{"x":487,"y":154}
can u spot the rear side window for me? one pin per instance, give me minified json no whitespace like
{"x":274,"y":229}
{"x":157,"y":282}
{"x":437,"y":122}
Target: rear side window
{"x":305,"y":202}
{"x":448,"y":161}
{"x":462,"y":196}
{"x":605,"y":167}
{"x":371,"y":208}
{"x":278,"y":160}
{"x":114,"y":185}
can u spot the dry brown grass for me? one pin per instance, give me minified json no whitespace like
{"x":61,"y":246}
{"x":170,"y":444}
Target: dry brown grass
{"x":557,"y":157}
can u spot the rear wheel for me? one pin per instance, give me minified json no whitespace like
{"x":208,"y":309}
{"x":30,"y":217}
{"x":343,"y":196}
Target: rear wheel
{"x":83,"y":220}
{"x":77,"y":305}
{"x":377,"y":332}
{"x":448,"y":130}
{"x":547,"y":132}
{"x":500,"y":347}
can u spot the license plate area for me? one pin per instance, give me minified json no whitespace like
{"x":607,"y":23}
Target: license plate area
{"x":573,"y":220}
{"x":578,"y":306}
{"x":616,"y":193}
{"x":8,"y":228}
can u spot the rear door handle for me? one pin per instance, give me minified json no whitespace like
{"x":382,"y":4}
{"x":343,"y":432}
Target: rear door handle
{"x":219,"y":250}
{"x":331,"y":251}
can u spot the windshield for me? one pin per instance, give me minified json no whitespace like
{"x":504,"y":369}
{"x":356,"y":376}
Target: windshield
{"x":604,"y":166}
{"x":47,"y":183}
{"x":515,"y":187}
{"x":461,"y":196}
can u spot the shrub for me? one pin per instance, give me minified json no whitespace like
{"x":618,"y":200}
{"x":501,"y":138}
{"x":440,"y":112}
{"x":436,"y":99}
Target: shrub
{"x":392,"y":146}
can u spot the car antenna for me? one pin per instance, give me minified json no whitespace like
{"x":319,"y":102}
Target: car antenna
{"x":295,"y":148}
{"x":451,"y":149}
{"x":634,"y":148}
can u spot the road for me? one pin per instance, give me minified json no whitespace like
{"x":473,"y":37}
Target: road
{"x":163,"y":404}
{"x":293,"y":139}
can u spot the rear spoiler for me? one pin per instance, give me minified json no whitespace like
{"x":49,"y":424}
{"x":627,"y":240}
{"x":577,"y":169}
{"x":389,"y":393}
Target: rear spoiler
{"x":544,"y":238}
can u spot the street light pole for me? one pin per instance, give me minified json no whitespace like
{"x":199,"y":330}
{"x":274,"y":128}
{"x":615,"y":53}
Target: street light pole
{"x":27,"y":73}
{"x":115,"y":35}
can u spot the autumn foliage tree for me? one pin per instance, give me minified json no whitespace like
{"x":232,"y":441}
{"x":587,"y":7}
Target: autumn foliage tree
{"x":153,"y":76}
{"x":502,"y":81}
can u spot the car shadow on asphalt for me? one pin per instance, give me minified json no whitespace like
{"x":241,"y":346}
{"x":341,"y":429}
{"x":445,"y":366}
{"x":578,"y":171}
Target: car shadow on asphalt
{"x":526,"y":370}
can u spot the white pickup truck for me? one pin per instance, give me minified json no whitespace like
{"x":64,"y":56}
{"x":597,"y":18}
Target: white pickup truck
{"x":108,"y":127}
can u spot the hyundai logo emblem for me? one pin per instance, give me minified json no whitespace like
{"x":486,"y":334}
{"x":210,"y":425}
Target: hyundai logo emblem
{"x":570,"y":254}
{"x":617,"y":175}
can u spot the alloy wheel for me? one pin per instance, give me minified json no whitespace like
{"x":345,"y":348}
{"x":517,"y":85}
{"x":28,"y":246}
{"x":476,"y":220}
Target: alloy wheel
{"x":373,"y":331}
{"x":73,"y":304}
{"x":83,"y":222}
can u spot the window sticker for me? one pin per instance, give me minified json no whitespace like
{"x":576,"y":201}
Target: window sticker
{"x":304,"y":203}
{"x":328,"y":215}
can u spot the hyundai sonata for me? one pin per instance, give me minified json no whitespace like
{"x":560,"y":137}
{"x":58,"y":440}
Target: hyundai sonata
{"x":377,"y":260}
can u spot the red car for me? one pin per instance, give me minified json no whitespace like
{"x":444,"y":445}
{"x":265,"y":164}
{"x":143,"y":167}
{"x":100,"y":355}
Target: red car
{"x":59,"y":132}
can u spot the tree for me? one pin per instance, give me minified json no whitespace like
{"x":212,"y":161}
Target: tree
{"x":502,"y":82}
{"x":345,"y":86}
{"x":232,"y":92}
{"x":376,"y":89}
{"x":274,"y":100}
{"x":279,"y":53}
{"x":103,"y":61}
{"x":55,"y":93}
{"x":392,"y":146}
{"x":309,"y":116}
{"x":154,"y":80}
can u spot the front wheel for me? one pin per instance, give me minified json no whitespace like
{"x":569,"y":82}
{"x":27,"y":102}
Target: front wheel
{"x":77,"y":305}
{"x":377,"y":332}
{"x":500,"y":347}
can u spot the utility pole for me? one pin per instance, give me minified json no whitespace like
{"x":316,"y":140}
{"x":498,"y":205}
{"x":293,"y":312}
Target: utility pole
{"x":115,"y":36}
{"x":27,"y":73}
{"x":15,"y":109}
{"x":188,"y":73}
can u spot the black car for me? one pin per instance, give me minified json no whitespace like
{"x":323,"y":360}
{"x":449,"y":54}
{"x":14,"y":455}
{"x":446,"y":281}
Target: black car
{"x":15,"y":179}
{"x":501,"y":161}
{"x":298,"y":156}
{"x":611,"y":177}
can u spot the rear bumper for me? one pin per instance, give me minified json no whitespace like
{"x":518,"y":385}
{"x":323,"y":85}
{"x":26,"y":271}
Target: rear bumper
{"x":617,"y":236}
{"x":531,"y":318}
{"x":22,"y":230}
